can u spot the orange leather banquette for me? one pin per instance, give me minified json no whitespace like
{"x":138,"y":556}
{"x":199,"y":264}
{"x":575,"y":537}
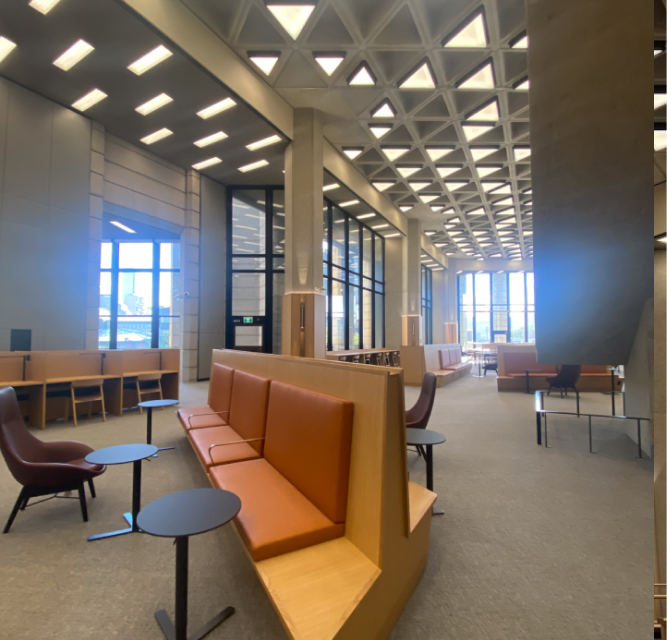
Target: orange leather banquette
{"x":450,"y":359}
{"x":517,"y":363}
{"x":293,"y":477}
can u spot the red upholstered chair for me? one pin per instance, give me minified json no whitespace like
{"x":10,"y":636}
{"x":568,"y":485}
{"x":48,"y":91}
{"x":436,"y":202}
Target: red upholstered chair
{"x":418,"y":416}
{"x":43,"y":468}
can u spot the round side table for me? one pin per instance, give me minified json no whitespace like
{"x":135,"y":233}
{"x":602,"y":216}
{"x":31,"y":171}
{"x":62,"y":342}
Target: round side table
{"x":426,"y":438}
{"x":149,"y":405}
{"x":181,"y":515}
{"x":122,"y":454}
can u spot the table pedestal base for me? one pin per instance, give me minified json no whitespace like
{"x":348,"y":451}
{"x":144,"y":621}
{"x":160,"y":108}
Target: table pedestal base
{"x":169,"y":630}
{"x":437,"y":512}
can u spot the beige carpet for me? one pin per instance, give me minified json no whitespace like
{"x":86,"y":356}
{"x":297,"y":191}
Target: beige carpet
{"x":550,"y":543}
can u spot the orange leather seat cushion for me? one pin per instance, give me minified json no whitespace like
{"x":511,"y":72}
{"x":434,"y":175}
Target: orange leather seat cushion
{"x":308,"y":440}
{"x":203,"y":417}
{"x":202,"y":439}
{"x":247,"y":411}
{"x":275,"y":517}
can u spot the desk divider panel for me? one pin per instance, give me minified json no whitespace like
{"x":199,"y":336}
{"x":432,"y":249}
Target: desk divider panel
{"x":64,"y":364}
{"x":141,"y":360}
{"x":12,"y":366}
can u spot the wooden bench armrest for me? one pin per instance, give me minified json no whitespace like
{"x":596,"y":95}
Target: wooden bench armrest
{"x":226,"y":444}
{"x":196,"y":415}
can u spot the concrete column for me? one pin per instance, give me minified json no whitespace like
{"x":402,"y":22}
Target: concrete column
{"x":395,"y":291}
{"x":412,"y":325}
{"x":304,"y":302}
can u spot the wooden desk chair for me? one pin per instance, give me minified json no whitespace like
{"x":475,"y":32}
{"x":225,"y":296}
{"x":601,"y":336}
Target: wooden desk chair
{"x":89,"y":391}
{"x":395,"y":359}
{"x":148,"y":384}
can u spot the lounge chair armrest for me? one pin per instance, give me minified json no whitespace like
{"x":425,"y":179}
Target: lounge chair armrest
{"x":196,"y":415}
{"x":226,"y":444}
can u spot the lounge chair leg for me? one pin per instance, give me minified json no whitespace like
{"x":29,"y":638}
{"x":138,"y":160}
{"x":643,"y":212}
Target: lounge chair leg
{"x":91,"y":486}
{"x":82,"y":502}
{"x":17,"y":505}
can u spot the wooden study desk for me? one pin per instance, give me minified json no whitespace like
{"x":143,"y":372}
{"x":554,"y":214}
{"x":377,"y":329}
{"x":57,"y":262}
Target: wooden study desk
{"x":349,"y":356}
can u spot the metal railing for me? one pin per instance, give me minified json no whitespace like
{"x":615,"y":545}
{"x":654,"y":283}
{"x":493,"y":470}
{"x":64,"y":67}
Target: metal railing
{"x":541,"y":411}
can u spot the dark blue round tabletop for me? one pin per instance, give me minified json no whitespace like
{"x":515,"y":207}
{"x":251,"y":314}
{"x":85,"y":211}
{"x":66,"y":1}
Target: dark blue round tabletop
{"x":188,"y":513}
{"x":157,"y":404}
{"x":121,"y":454}
{"x":424,"y":437}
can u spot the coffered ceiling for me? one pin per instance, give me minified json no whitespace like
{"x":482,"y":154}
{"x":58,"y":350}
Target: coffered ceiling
{"x":424,"y":96}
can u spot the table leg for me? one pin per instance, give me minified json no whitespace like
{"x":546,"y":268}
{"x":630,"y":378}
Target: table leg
{"x":149,"y":425}
{"x":528,"y":382}
{"x":178,"y":631}
{"x":429,"y":476}
{"x":613,"y":395}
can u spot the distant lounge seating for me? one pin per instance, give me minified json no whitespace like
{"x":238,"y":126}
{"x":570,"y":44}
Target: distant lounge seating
{"x":43,"y":468}
{"x":418,"y":416}
{"x":444,"y":360}
{"x":567,"y":378}
{"x":490,"y":363}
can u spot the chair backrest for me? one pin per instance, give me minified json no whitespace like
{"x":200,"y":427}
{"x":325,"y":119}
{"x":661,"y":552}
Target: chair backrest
{"x":569,"y":375}
{"x":247,"y":411}
{"x":445,"y":358}
{"x":308,"y":440}
{"x":455,"y":355}
{"x":148,"y":377}
{"x":418,"y":416}
{"x":220,"y":387}
{"x":85,"y":384}
{"x":17,"y":444}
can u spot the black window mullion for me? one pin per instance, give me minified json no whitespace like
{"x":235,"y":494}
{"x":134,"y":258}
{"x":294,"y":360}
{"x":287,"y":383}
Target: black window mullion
{"x":373,"y":290}
{"x":155,"y":318}
{"x":330,"y":270}
{"x":113,"y":323}
{"x":268,"y":267}
{"x":347,"y":316}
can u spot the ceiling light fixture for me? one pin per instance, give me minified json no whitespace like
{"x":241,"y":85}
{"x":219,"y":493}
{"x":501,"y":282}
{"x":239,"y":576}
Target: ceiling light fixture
{"x":329,"y":61}
{"x":154,"y":104}
{"x":88,"y":100}
{"x":384,"y":110}
{"x":490,"y":185}
{"x":418,"y":186}
{"x":362,"y":76}
{"x":158,"y":135}
{"x":406,"y":171}
{"x":455,"y":184}
{"x":438,"y":207}
{"x":470,"y":34}
{"x":292,"y":17}
{"x":435,"y":153}
{"x":429,"y":233}
{"x":380,"y":226}
{"x":659,"y":136}
{"x":503,"y":201}
{"x":659,"y":97}
{"x":206,"y":163}
{"x":393,"y":153}
{"x":383,"y":186}
{"x":216,"y":108}
{"x":480,"y":211}
{"x":215,"y":137}
{"x":265,"y":60}
{"x":481,"y":78}
{"x":425,"y":198}
{"x":421,"y":77}
{"x":43,"y":6}
{"x":392,"y":235}
{"x":483,"y":171}
{"x":330,"y":187}
{"x":472,"y":131}
{"x":445,"y":171}
{"x":253,"y":146}
{"x":253,"y":165}
{"x":120,"y":225}
{"x":406,"y":207}
{"x":353,"y":152}
{"x":77,"y":52}
{"x":148,"y":61}
{"x":6,"y":47}
{"x":379,"y":130}
{"x":520,"y":41}
{"x":479,"y":153}
{"x":487,"y":113}
{"x":520,"y":153}
{"x":363,"y":216}
{"x":349,"y":203}
{"x":522,"y":85}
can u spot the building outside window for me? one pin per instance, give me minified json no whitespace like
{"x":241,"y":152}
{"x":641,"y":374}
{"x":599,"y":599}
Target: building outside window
{"x":139,"y":300}
{"x":496,"y":307}
{"x":353,"y":269}
{"x":427,"y":304}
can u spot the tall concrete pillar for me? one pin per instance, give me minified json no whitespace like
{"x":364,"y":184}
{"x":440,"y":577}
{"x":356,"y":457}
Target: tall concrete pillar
{"x":304,"y":302}
{"x":412,"y":324}
{"x":395,"y":291}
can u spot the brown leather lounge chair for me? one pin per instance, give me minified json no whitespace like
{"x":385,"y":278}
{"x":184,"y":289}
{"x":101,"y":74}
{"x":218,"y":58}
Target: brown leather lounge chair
{"x":565,"y":379}
{"x":43,"y":468}
{"x":418,"y":416}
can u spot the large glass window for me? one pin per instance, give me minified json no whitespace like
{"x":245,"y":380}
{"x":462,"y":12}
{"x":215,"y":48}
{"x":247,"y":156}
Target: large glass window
{"x":353,"y":282}
{"x":427,"y":304}
{"x":139,"y":301}
{"x":496,"y":307}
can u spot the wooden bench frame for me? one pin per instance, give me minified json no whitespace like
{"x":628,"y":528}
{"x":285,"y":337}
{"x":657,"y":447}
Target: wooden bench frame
{"x":416,"y":361}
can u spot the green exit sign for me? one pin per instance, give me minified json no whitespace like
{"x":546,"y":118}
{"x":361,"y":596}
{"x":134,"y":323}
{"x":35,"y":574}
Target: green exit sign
{"x":247,"y":320}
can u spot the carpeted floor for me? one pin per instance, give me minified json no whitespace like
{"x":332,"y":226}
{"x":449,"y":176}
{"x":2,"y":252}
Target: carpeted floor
{"x":550,"y":543}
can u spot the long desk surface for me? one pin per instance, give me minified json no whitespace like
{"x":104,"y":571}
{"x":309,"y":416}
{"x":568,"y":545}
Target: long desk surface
{"x":79,"y":378}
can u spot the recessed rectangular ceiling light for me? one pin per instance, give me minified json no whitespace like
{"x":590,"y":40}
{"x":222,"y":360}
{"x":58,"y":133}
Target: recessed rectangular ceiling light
{"x":521,"y":43}
{"x":253,"y":146}
{"x":481,"y":79}
{"x":330,"y":187}
{"x":392,"y":235}
{"x":659,"y":100}
{"x":488,"y":186}
{"x":520,"y":153}
{"x":206,"y":163}
{"x":503,"y":201}
{"x":265,"y":60}
{"x":471,"y":35}
{"x":406,"y":207}
{"x":253,"y":165}
{"x":148,"y":61}
{"x":154,"y":104}
{"x":6,"y":46}
{"x":480,"y":211}
{"x":428,"y":198}
{"x":77,"y":52}
{"x":418,"y":186}
{"x":443,"y":172}
{"x":478,"y":153}
{"x":437,"y":207}
{"x":363,"y":216}
{"x":380,"y":226}
{"x":455,"y":233}
{"x":393,"y":153}
{"x":455,"y":184}
{"x":453,"y":220}
{"x":216,"y":108}
{"x":419,"y":78}
{"x":379,"y":130}
{"x":349,"y":203}
{"x":43,"y":6}
{"x":292,"y":17}
{"x":407,"y":171}
{"x":659,"y":139}
{"x":472,"y":131}
{"x":429,"y":233}
{"x":89,"y":100}
{"x":329,"y":62}
{"x":353,"y":152}
{"x":215,"y":137}
{"x":382,"y":186}
{"x":488,"y":113}
{"x":120,"y":225}
{"x":504,"y":189}
{"x":158,"y":135}
{"x":435,"y":153}
{"x":362,"y":76}
{"x":383,"y":110}
{"x":524,"y":85}
{"x":484,"y":171}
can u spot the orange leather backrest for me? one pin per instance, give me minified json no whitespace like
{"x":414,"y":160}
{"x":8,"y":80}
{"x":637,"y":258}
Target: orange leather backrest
{"x":220,"y":388}
{"x":445,"y":359}
{"x":308,"y":440}
{"x":518,"y":362}
{"x":247,"y":413}
{"x":455,"y":356}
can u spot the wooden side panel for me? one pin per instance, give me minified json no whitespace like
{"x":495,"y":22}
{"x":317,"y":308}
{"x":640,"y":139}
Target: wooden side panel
{"x":113,"y":362}
{"x":61,"y":364}
{"x":141,"y":361}
{"x":36,"y":366}
{"x":11,"y":365}
{"x":171,"y":359}
{"x":413,"y":364}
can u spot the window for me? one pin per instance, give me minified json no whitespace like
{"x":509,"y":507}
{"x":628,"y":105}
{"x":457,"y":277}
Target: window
{"x":496,"y":307}
{"x":427,"y":304}
{"x":353,"y":282}
{"x":139,"y":301}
